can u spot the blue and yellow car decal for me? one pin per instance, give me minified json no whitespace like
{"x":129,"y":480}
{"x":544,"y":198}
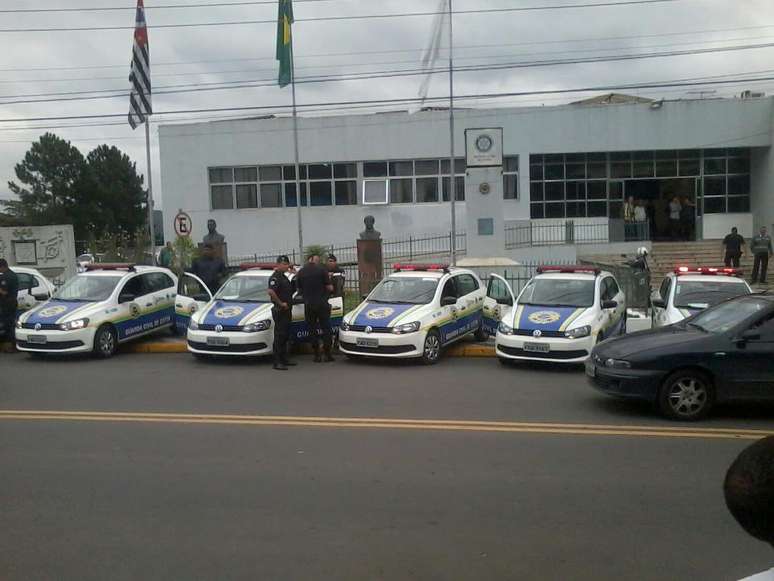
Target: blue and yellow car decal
{"x":532,"y":317}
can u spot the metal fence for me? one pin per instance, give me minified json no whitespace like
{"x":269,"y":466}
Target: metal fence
{"x":568,"y":232}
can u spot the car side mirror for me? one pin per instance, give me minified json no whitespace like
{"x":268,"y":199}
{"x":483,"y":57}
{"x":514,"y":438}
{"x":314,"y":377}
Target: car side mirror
{"x":660,"y":303}
{"x":609,"y":304}
{"x":126,"y":298}
{"x":751,"y":335}
{"x":448,"y":301}
{"x":201,"y":298}
{"x":42,"y":297}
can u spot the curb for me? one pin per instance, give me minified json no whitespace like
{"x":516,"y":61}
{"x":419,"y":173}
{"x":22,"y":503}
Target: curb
{"x":180,"y":347}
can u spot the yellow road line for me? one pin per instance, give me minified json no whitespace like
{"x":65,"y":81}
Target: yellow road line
{"x":387,"y":423}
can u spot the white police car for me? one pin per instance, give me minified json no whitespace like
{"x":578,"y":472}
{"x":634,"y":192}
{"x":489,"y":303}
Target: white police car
{"x":415,"y":312}
{"x":559,"y":316}
{"x":689,"y":290}
{"x":34,"y":288}
{"x":238,"y":321}
{"x":100,"y":308}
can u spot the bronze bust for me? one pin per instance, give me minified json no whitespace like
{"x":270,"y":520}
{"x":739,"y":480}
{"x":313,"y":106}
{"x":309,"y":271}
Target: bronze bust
{"x":370,"y":233}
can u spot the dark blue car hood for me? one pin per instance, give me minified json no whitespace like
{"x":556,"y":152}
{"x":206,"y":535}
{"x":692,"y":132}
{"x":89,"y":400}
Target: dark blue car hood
{"x":667,"y":340}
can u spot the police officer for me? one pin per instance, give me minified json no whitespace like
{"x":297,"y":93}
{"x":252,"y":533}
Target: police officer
{"x":281,"y":294}
{"x":314,"y":283}
{"x":338,"y":276}
{"x":9,"y":291}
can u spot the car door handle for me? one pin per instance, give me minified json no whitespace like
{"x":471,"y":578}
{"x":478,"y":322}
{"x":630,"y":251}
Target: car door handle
{"x":720,"y":354}
{"x":148,"y":304}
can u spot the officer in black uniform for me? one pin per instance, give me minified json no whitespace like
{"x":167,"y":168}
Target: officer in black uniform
{"x":314,"y":283}
{"x":337,"y":274}
{"x":9,"y":290}
{"x":281,"y":293}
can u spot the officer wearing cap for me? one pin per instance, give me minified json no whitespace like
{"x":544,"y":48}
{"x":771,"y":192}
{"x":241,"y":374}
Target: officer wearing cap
{"x":281,"y":293}
{"x":338,"y":276}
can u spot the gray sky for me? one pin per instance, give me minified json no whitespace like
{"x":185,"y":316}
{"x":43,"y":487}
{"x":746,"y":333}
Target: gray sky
{"x":246,"y":52}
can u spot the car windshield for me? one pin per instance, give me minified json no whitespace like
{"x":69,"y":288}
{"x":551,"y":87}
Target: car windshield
{"x":726,"y":316}
{"x":88,"y":288}
{"x":246,"y":289}
{"x":703,"y":294}
{"x":558,"y":292}
{"x":409,"y":290}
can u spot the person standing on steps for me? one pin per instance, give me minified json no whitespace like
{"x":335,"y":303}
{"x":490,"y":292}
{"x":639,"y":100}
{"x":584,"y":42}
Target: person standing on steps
{"x":733,"y":247}
{"x":281,"y":295}
{"x":760,"y":246}
{"x":314,"y":284}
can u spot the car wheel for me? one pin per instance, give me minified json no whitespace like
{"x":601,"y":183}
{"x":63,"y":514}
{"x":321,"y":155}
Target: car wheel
{"x":686,"y":395}
{"x":105,"y":342}
{"x":481,"y":334}
{"x":431,"y":352}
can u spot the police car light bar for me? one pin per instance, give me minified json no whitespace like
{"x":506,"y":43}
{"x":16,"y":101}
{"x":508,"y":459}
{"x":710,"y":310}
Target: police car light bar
{"x":258,"y":266}
{"x":420,"y":267}
{"x":708,"y":270}
{"x":110,"y":266}
{"x":569,"y":269}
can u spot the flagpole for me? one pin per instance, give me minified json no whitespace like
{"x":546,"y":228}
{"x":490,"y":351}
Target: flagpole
{"x":295,"y":151}
{"x":452,"y":172}
{"x":150,"y":191}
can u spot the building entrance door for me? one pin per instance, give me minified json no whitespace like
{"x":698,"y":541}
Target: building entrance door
{"x":656,"y":195}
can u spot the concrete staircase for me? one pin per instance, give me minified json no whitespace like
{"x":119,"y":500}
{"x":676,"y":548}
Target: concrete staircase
{"x":666,"y":256}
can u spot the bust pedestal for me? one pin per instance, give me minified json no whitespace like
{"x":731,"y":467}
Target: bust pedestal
{"x":369,"y":264}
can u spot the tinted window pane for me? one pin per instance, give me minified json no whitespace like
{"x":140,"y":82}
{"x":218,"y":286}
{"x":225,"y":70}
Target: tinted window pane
{"x":597,"y":209}
{"x":714,"y":166}
{"x":320,"y":172}
{"x":345,"y":170}
{"x":321,"y":193}
{"x":289,"y":171}
{"x":738,"y":185}
{"x":576,"y":190}
{"x":427,"y":167}
{"x":427,"y":190}
{"x":599,"y":156}
{"x":576,"y":209}
{"x":222,"y":197}
{"x":220,"y":175}
{"x":536,"y":211}
{"x":621,"y":169}
{"x":596,"y":190}
{"x":597,"y":170}
{"x":554,"y":190}
{"x":554,"y":158}
{"x":271,"y":173}
{"x":689,"y":154}
{"x":576,"y":171}
{"x":536,"y":159}
{"x":715,"y":153}
{"x":536,"y":172}
{"x":460,"y":189}
{"x":536,"y":191}
{"x":616,"y":191}
{"x":555,"y":171}
{"x":511,"y":164}
{"x":375,"y":192}
{"x":375,"y":169}
{"x":689,"y":167}
{"x":666,"y":154}
{"x":554,"y":210}
{"x":346,"y":193}
{"x":246,"y":174}
{"x":510,"y":187}
{"x":271,"y":195}
{"x":738,"y":165}
{"x":666,"y":169}
{"x":615,"y":210}
{"x":738,"y":204}
{"x":715,"y":186}
{"x":401,"y":168}
{"x":643,"y":169}
{"x":247,"y":196}
{"x":575,"y":157}
{"x":714,"y":205}
{"x":460,"y":166}
{"x":401,"y":191}
{"x":290,"y":195}
{"x":620,"y":156}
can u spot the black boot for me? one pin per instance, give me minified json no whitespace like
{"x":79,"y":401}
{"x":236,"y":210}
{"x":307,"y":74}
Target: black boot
{"x":287,"y":363}
{"x":279,"y":366}
{"x":316,"y":347}
{"x":328,"y":355}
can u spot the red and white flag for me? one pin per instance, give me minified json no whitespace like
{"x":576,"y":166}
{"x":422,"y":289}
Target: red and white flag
{"x":140,"y":103}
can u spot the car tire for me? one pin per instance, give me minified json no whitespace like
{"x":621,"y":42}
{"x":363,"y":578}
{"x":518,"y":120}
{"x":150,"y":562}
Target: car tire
{"x":431,"y":349}
{"x":686,"y":395}
{"x":105,"y":342}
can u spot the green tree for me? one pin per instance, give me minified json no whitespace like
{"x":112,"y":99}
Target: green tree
{"x":118,"y":189}
{"x":54,"y":178}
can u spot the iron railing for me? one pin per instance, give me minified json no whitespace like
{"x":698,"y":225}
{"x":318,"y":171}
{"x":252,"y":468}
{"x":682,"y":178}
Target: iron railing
{"x":569,"y":232}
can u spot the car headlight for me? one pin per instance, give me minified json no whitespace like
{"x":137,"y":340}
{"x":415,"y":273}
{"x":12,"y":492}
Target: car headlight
{"x":505,"y":328}
{"x":617,"y":364}
{"x":344,"y":326}
{"x":193,"y":325}
{"x":19,"y":324}
{"x":578,"y":333}
{"x":257,"y":327}
{"x":74,"y":325}
{"x":407,"y":328}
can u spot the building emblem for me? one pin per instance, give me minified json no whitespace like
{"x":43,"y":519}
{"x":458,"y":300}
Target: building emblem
{"x":229,"y":312}
{"x":380,"y":313}
{"x":484,"y":143}
{"x":545,"y":317}
{"x":51,"y":312}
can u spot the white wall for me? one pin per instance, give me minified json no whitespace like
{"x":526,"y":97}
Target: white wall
{"x":49,"y":249}
{"x":717,"y":226}
{"x":188,"y":150}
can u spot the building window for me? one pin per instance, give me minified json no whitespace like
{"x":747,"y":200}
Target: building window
{"x":346,"y":193}
{"x":511,"y":178}
{"x":271,"y":195}
{"x":427,"y":190}
{"x":401,"y":191}
{"x":221,"y":188}
{"x":375,"y":192}
{"x":320,"y":193}
{"x":247,"y":196}
{"x":460,"y":167}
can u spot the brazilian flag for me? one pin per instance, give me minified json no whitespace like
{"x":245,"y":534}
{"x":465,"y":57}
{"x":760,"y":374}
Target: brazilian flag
{"x":285,"y":42}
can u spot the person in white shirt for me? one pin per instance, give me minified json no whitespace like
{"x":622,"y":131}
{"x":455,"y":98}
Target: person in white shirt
{"x":749,"y":492}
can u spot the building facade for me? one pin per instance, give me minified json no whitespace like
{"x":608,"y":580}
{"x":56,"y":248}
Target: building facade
{"x":574,"y":162}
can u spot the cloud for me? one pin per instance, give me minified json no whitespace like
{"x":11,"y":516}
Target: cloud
{"x":345,"y":47}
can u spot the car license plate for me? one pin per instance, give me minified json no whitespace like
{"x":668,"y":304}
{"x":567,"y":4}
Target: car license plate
{"x":536,"y":348}
{"x":37,"y":339}
{"x":370,"y":343}
{"x":218,"y":341}
{"x":591,"y":370}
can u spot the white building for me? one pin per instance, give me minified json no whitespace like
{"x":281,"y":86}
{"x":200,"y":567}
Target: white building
{"x":574,"y":162}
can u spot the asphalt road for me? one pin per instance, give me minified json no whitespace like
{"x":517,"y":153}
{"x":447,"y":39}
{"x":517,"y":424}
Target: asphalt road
{"x":467,"y":470}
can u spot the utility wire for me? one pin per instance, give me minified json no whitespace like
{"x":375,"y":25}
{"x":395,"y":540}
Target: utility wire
{"x":148,"y":8}
{"x":351,"y":17}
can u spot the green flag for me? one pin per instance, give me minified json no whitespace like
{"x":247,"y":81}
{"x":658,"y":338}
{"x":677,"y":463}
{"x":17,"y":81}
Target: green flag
{"x":285,"y":42}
